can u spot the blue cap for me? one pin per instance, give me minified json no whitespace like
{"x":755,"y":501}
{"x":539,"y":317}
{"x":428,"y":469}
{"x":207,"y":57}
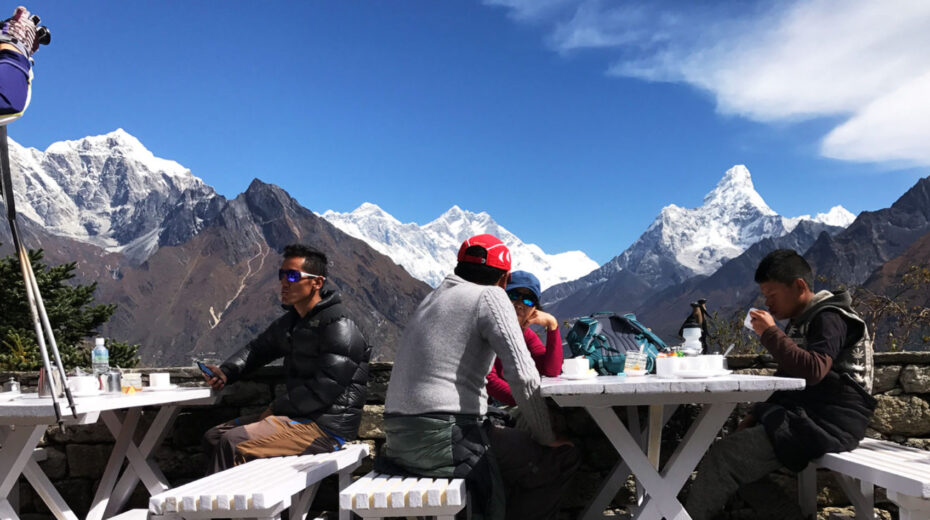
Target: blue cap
{"x":524,"y":280}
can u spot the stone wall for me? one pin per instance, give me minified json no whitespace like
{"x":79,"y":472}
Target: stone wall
{"x":76,"y":457}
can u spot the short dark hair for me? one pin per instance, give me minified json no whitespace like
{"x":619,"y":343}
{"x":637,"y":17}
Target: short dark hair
{"x":315,"y":261}
{"x":480,"y":274}
{"x":785,"y":266}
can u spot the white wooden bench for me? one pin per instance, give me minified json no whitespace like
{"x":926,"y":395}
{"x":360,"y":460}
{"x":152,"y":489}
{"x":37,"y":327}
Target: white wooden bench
{"x":387,"y":496}
{"x":903,"y":472}
{"x":261,"y":488}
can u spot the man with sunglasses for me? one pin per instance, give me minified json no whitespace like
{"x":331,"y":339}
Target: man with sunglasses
{"x":326,"y":369}
{"x":436,"y":402}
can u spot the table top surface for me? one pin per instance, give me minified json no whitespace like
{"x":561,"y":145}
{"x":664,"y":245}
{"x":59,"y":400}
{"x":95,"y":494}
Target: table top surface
{"x":32,"y":406}
{"x":653,"y":385}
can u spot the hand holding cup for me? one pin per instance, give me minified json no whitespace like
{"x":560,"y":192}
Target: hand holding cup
{"x":760,"y":320}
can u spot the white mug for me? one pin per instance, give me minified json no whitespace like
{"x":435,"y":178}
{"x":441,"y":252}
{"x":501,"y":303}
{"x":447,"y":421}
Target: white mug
{"x":159,"y":379}
{"x":83,"y":384}
{"x":575,"y":366}
{"x":667,"y":366}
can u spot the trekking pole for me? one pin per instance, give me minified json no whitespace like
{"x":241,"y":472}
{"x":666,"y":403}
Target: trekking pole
{"x":33,"y":297}
{"x":50,"y":334}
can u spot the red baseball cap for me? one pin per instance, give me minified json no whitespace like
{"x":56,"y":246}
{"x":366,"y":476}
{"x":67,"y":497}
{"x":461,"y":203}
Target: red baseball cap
{"x":498,"y":254}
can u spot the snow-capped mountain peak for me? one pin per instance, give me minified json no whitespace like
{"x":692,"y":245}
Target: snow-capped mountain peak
{"x":736,"y":190}
{"x":369,"y":210}
{"x":428,"y":252}
{"x":684,"y":242}
{"x":837,"y":216}
{"x":108,"y":190}
{"x":119,"y":143}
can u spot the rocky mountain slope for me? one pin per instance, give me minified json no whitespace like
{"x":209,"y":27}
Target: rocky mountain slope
{"x":874,"y":238}
{"x":193,"y":274}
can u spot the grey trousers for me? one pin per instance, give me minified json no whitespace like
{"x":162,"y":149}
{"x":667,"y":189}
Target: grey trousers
{"x":739,"y":459}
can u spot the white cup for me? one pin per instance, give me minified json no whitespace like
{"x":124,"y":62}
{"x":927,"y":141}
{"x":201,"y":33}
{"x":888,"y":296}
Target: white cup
{"x":712,"y":363}
{"x":690,"y":363}
{"x":667,"y":366}
{"x":159,"y":379}
{"x":575,"y":366}
{"x":748,"y":321}
{"x":83,"y":384}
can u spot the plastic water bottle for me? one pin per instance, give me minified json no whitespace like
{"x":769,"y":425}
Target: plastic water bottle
{"x":100,"y":357}
{"x":692,"y":344}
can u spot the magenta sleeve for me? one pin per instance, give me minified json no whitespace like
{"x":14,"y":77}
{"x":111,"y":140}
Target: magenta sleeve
{"x":549,"y":362}
{"x":497,"y":386}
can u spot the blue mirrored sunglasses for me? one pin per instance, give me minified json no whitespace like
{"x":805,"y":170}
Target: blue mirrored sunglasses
{"x":293,"y":275}
{"x":517,"y":297}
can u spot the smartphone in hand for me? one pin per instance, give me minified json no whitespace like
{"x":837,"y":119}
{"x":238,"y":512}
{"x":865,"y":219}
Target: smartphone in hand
{"x":205,"y":369}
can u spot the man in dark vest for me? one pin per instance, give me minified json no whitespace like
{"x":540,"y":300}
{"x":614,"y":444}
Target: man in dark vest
{"x":825,"y":343}
{"x":325,"y":370}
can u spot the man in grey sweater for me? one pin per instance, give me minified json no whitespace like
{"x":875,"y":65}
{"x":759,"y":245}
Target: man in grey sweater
{"x":437,"y":400}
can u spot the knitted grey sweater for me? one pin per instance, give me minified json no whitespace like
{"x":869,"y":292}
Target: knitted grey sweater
{"x":447,"y":350}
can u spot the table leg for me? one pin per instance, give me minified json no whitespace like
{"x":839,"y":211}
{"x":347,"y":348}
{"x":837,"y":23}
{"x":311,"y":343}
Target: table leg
{"x":663,"y":490}
{"x":15,"y":453}
{"x":47,"y":491}
{"x":607,"y":492}
{"x":632,"y":454}
{"x":615,"y":480}
{"x":612,"y":484}
{"x":16,"y":447}
{"x":139,"y":466}
{"x":687,"y":456}
{"x":655,"y":433}
{"x":108,"y":480}
{"x":640,"y":432}
{"x":16,"y":459}
{"x":7,"y":511}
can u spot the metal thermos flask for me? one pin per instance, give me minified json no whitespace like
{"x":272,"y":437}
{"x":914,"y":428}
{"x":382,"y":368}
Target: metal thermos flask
{"x":45,"y":390}
{"x":114,"y":381}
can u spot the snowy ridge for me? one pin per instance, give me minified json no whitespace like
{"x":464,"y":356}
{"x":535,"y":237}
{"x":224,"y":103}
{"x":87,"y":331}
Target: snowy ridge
{"x":107,"y":190}
{"x":428,"y":252}
{"x":837,"y":216}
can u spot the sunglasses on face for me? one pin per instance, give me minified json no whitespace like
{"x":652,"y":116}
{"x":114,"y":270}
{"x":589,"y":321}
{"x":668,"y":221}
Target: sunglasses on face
{"x":521,"y":298}
{"x":293,"y":275}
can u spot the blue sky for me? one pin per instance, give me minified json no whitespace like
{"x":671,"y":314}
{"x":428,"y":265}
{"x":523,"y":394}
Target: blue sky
{"x":572,"y":122}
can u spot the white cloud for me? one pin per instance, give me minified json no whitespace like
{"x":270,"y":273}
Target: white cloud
{"x":894,"y":127}
{"x":777,"y":62}
{"x":532,"y":10}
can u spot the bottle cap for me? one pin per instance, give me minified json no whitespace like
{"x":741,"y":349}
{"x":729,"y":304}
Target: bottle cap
{"x":100,"y":342}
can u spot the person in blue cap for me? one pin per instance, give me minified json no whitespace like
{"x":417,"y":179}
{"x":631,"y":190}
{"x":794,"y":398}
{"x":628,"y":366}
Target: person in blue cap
{"x":523,"y":290}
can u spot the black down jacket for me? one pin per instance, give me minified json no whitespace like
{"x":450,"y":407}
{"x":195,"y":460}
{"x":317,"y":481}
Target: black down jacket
{"x":325,"y":362}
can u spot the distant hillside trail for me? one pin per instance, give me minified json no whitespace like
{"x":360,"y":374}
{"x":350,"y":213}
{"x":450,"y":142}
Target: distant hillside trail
{"x":263,"y":252}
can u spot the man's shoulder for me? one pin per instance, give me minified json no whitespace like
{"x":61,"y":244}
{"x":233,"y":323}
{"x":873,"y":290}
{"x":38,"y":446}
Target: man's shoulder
{"x":284,"y":321}
{"x":335,"y":320}
{"x":833,"y":317}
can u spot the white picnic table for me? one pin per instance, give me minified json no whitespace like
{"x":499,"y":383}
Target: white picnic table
{"x":24,"y":420}
{"x":718,"y":397}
